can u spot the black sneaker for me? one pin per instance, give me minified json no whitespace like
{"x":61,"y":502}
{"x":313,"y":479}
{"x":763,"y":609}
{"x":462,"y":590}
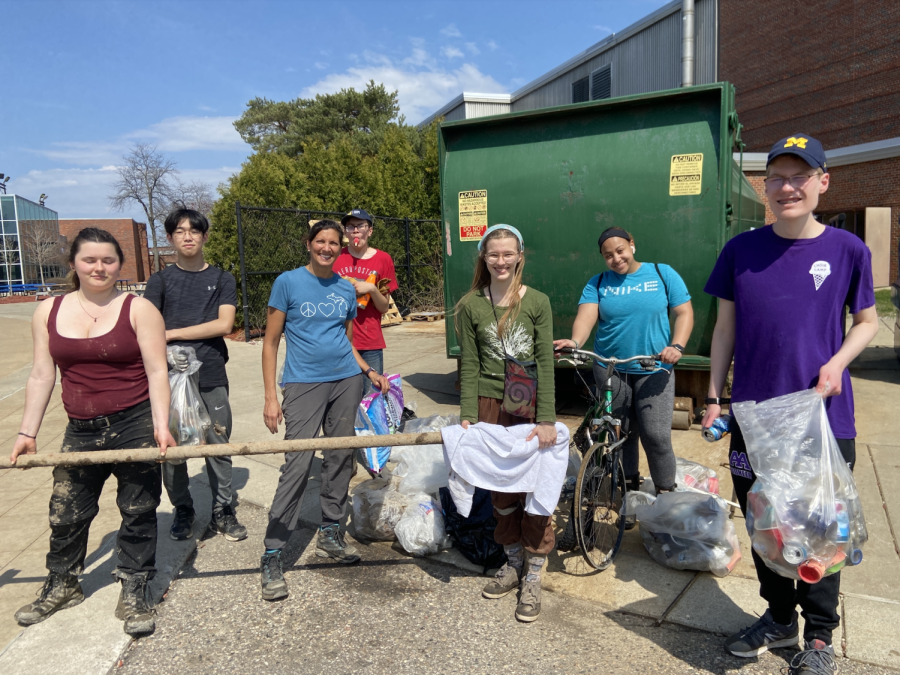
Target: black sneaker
{"x":274,"y":586}
{"x":60,"y":591}
{"x":817,"y":658}
{"x":762,"y":636}
{"x":224,"y":522}
{"x":134,"y":607}
{"x":183,"y":525}
{"x":331,"y":544}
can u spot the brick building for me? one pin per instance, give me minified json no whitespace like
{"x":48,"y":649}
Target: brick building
{"x":131,"y":235}
{"x":830,"y":69}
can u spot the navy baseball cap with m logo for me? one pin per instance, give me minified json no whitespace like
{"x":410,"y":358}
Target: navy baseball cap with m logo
{"x":804,"y":146}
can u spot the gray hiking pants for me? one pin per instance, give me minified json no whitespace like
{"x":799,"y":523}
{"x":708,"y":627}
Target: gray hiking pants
{"x":644,"y":403}
{"x":330,"y":406}
{"x":175,"y":476}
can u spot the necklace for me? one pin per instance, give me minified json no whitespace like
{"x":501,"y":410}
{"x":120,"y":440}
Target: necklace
{"x":101,"y":313}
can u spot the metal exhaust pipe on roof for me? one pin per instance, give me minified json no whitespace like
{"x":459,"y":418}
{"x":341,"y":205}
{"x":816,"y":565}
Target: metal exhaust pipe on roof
{"x":687,"y":43}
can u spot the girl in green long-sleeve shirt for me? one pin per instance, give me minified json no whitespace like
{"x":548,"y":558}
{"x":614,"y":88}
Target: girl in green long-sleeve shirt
{"x":501,"y":314}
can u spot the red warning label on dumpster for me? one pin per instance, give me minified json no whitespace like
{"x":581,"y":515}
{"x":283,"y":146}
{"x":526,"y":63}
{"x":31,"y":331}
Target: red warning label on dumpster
{"x":472,"y":215}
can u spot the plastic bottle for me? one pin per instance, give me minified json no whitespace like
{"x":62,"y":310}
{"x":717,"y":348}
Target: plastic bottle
{"x":363,"y":301}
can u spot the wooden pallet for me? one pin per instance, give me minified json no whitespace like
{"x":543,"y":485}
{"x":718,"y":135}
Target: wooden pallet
{"x":424,"y":316}
{"x":392,"y":316}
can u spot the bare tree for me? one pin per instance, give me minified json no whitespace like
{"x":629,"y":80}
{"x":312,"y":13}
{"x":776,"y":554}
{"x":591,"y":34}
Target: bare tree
{"x":195,"y":195}
{"x":41,"y":246}
{"x":146,"y":178}
{"x":9,"y":253}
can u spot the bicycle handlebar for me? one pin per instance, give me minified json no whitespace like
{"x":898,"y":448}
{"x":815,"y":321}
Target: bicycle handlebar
{"x":647,"y":362}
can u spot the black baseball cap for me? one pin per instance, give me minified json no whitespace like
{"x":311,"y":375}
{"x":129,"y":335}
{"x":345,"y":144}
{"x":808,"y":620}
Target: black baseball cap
{"x":362,"y":214}
{"x":804,"y":146}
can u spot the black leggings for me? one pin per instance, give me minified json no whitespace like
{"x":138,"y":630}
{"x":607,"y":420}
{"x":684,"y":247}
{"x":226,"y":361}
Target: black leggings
{"x":818,"y":602}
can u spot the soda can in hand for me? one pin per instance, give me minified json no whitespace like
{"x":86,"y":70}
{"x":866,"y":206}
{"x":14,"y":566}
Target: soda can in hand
{"x":719,"y":429}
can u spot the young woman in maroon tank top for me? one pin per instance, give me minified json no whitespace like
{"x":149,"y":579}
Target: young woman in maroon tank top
{"x":110,"y":348}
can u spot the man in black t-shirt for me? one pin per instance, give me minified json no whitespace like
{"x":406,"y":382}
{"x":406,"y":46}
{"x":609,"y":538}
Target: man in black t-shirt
{"x":198,"y":303}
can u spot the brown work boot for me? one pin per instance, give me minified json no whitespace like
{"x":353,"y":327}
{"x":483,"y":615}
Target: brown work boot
{"x":60,"y":591}
{"x":133,"y":607}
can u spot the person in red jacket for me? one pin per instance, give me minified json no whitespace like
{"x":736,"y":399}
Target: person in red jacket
{"x":364,"y":267}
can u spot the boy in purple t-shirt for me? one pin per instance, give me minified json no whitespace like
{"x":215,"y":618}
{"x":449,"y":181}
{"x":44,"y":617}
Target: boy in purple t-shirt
{"x":782,"y":290}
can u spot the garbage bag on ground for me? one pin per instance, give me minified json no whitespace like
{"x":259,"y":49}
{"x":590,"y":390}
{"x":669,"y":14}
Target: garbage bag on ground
{"x":694,"y":475}
{"x":377,"y":508}
{"x":422,"y":469}
{"x":379,"y":415}
{"x":474,"y":536}
{"x":420,"y":530}
{"x":689,"y":531}
{"x":188,"y":418}
{"x":804,"y":514}
{"x":420,"y":425}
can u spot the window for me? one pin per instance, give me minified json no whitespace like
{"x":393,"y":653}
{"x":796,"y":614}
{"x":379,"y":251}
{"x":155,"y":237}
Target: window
{"x":580,"y":91}
{"x":601,"y":83}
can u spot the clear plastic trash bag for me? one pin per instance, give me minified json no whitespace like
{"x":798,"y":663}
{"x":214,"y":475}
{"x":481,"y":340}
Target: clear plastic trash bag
{"x":420,"y":530}
{"x":687,"y":531}
{"x":694,"y":475}
{"x":804,"y":514}
{"x":377,"y":508}
{"x":422,"y":469}
{"x":188,"y":418}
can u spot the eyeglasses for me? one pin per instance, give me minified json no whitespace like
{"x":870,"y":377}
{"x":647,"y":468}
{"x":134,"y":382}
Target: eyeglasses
{"x":179,"y":234}
{"x":494,"y":258}
{"x":351,"y":228}
{"x":797,"y":182}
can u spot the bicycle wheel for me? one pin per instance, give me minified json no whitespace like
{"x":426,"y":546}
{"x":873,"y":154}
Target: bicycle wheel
{"x":599,"y":503}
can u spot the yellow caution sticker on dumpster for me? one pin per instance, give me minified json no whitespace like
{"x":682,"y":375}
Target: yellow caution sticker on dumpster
{"x":472,"y":215}
{"x":685,"y":174}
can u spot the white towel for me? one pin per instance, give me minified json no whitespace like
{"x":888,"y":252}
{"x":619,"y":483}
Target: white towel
{"x":498,"y":458}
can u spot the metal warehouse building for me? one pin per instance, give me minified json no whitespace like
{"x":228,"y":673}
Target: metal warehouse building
{"x":830,"y":69}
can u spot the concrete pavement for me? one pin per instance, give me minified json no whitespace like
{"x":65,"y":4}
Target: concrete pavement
{"x":635,"y":585}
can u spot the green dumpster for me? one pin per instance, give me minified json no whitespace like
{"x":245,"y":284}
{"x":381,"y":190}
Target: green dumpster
{"x":658,"y":165}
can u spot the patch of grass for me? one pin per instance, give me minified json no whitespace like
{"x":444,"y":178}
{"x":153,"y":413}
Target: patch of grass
{"x":883,"y":304}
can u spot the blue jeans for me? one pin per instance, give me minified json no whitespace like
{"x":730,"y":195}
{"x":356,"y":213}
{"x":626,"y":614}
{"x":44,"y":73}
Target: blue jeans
{"x":375,"y":359}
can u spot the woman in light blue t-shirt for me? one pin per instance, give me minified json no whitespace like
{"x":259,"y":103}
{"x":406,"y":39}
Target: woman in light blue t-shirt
{"x":314,"y":309}
{"x":632,"y":301}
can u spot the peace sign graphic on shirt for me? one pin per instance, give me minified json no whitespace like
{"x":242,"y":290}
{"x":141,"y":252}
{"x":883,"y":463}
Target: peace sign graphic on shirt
{"x":308,"y":309}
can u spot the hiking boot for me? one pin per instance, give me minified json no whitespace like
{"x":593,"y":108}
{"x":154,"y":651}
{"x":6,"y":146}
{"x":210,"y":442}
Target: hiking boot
{"x":763,"y":635}
{"x":224,"y":522}
{"x":60,"y":591}
{"x":504,"y":582}
{"x":274,"y":586}
{"x":817,"y":658}
{"x":529,"y":606}
{"x":183,"y":525}
{"x":133,"y":607}
{"x":331,"y":544}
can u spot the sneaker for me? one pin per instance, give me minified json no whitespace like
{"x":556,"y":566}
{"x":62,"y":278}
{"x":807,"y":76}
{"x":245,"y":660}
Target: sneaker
{"x":60,"y":591}
{"x":133,"y":607}
{"x":183,"y":525}
{"x":817,"y":658}
{"x":529,"y":606}
{"x":331,"y":544}
{"x":504,"y":582}
{"x":224,"y":522}
{"x":274,"y":586}
{"x":763,"y":635}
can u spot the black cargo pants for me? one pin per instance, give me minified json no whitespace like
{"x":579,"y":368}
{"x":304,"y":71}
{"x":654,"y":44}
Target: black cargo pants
{"x":76,"y":495}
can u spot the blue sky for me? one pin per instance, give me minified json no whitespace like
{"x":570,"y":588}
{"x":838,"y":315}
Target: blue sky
{"x":82,"y":81}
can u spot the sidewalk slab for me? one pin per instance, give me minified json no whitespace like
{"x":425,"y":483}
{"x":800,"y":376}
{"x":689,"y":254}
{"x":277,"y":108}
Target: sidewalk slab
{"x":870,"y":630}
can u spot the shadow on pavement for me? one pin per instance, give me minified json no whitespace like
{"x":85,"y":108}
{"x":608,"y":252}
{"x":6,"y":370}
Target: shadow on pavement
{"x":439,"y":387}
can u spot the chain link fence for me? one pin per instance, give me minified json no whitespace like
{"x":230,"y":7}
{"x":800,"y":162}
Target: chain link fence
{"x":272,"y":241}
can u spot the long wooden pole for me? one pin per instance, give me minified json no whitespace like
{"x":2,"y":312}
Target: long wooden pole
{"x":225,"y":449}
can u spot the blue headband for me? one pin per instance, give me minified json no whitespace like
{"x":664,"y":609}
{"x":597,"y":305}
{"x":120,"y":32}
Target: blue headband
{"x":501,"y":226}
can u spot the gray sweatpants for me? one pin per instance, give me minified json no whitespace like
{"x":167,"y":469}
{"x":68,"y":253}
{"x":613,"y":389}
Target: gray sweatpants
{"x":644,"y":403}
{"x":330,"y":406}
{"x":175,"y":476}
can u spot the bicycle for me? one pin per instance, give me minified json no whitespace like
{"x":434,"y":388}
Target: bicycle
{"x":598,"y":506}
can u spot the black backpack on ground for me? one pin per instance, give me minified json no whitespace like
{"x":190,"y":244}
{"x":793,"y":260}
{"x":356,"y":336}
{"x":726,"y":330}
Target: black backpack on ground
{"x":474,"y":536}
